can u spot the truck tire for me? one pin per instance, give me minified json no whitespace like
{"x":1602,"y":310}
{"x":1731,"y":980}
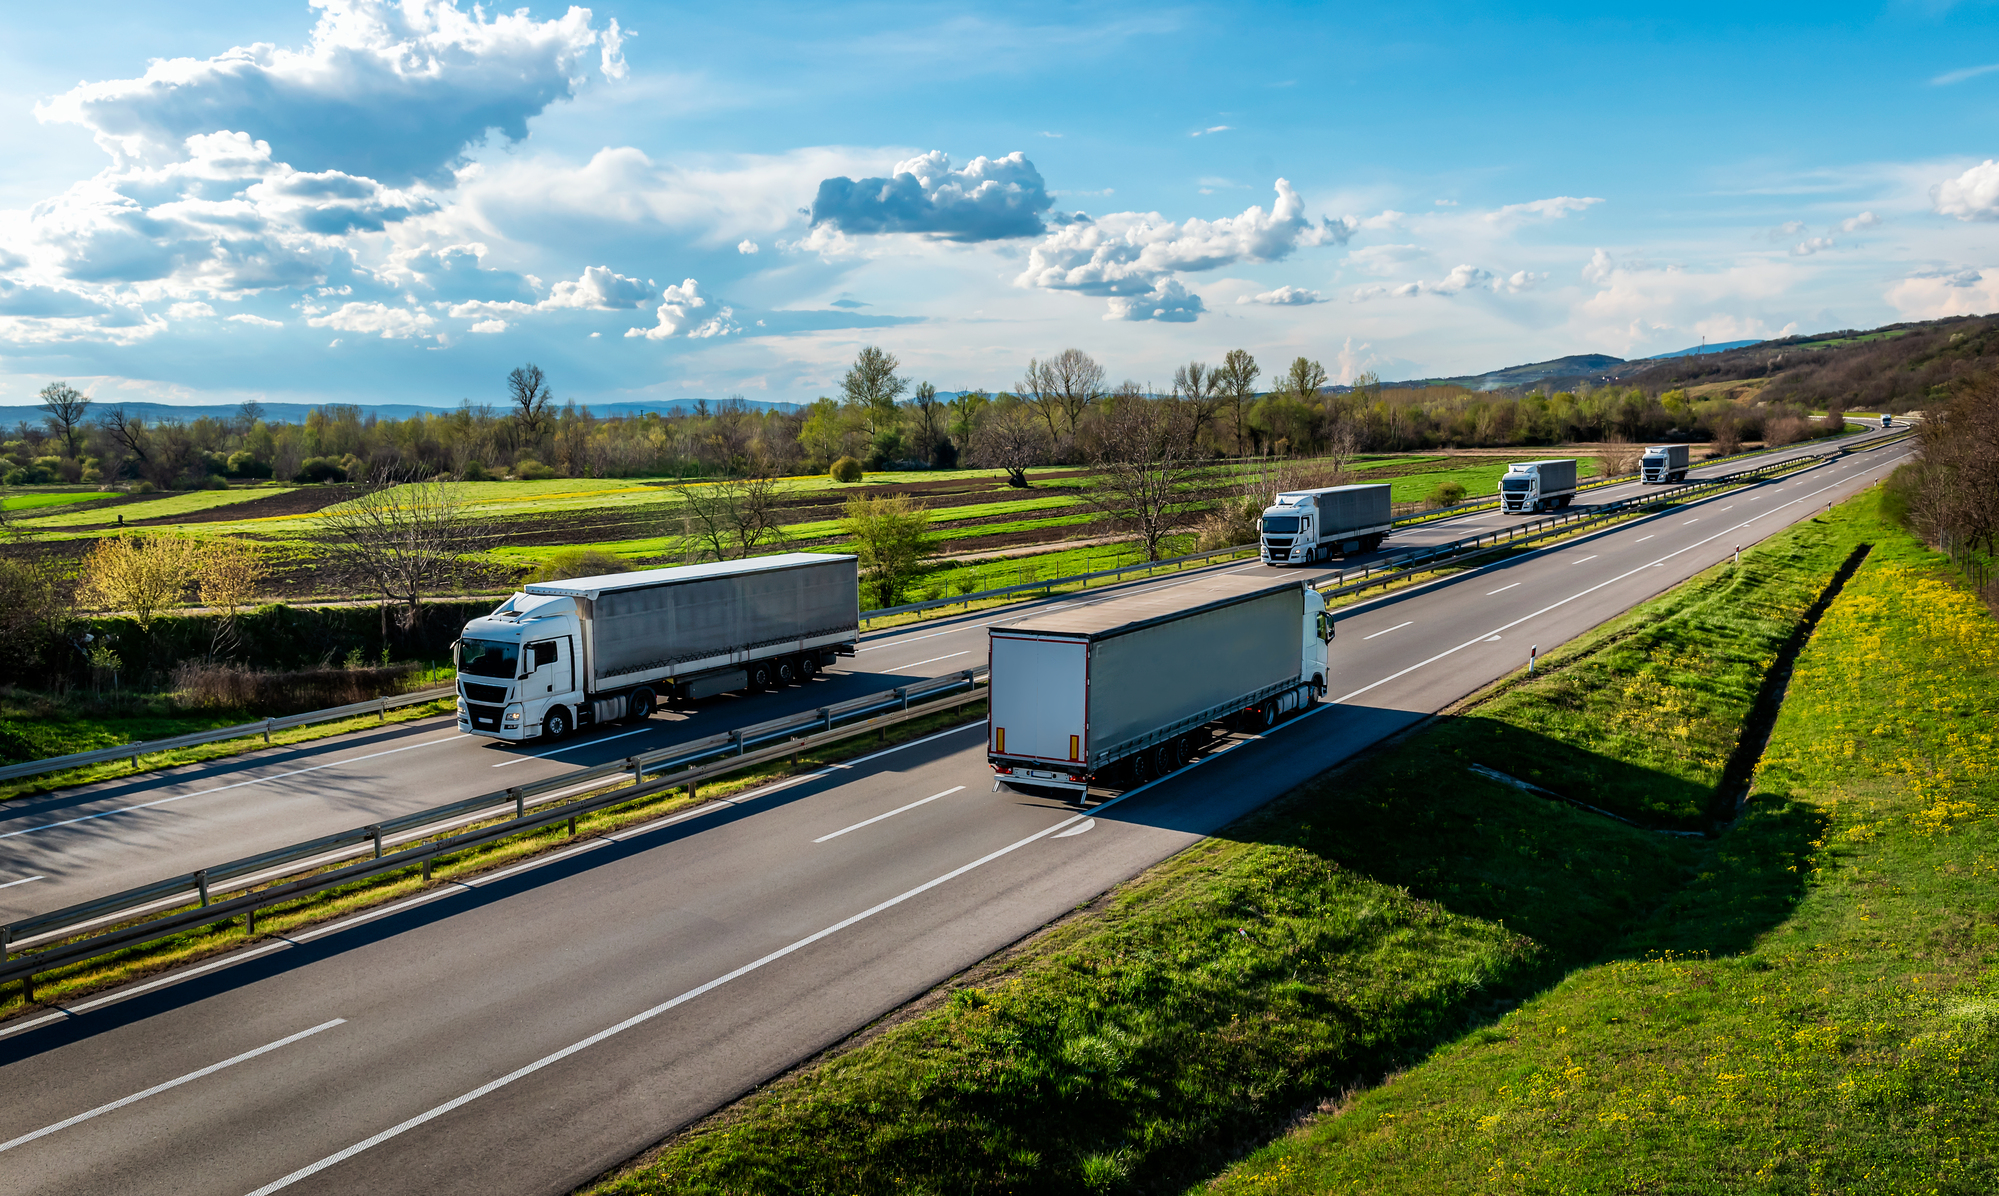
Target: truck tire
{"x":759,"y":676}
{"x":639,"y":706}
{"x":1563,"y":505}
{"x":1370,"y":543}
{"x":556,"y":724}
{"x":808,"y":666}
{"x":787,"y":672}
{"x":1141,"y":768}
{"x":1166,"y":757}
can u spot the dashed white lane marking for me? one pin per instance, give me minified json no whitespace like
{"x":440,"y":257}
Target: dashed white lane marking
{"x":1500,"y":590}
{"x":933,"y":660}
{"x":156,"y":1089}
{"x":24,"y":880}
{"x":892,"y":813}
{"x":1397,"y":627}
{"x":1592,"y":556}
{"x":1642,"y":539}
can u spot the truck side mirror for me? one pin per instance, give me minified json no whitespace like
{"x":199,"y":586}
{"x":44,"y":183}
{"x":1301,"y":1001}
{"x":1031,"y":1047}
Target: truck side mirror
{"x":1325,"y":627}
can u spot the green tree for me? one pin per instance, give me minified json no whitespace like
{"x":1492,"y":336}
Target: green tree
{"x":891,"y":536}
{"x":1304,"y":380}
{"x":872,"y":386}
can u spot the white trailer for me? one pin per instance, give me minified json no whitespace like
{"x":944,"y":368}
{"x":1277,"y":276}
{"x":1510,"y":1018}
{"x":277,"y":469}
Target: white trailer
{"x":1529,"y":487}
{"x":1664,"y":463}
{"x":1130,"y":685}
{"x":566,"y":654}
{"x":1304,"y":526}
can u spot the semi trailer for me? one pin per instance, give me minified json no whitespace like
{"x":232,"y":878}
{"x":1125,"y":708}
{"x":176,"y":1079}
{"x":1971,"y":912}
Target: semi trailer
{"x":561,"y":655}
{"x":1123,"y":689}
{"x":1663,"y":463}
{"x":1529,"y":487}
{"x":1303,"y":526}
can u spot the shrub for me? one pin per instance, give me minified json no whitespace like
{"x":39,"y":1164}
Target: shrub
{"x":1234,"y":521}
{"x":578,"y":562}
{"x":531,"y":470}
{"x":142,"y":487}
{"x":28,"y":475}
{"x":200,"y":684}
{"x":476,"y":471}
{"x":313,"y":470}
{"x":210,"y":482}
{"x":246,"y":465}
{"x":846,"y":469}
{"x":1446,"y":494}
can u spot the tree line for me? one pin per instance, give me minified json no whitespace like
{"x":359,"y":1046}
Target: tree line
{"x":1058,"y":413}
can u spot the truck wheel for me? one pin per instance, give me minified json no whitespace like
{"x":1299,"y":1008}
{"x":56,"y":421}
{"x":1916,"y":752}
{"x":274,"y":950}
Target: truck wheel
{"x":787,"y":672}
{"x":639,"y":707}
{"x":808,"y":666}
{"x":759,"y":676}
{"x":1141,"y":767}
{"x":1370,"y":543}
{"x":1165,"y":758}
{"x":556,"y":725}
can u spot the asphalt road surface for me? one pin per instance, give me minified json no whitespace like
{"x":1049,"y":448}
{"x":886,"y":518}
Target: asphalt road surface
{"x":525,"y":1032}
{"x":91,"y":841}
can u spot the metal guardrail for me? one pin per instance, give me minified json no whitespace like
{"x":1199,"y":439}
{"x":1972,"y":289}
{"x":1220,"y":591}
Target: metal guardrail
{"x":1426,"y":559}
{"x":377,"y":706}
{"x":297,"y":868}
{"x":1468,"y":507}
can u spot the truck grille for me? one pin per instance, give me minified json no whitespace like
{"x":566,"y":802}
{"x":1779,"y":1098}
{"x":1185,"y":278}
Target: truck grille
{"x":485,"y":693}
{"x":484,"y":718}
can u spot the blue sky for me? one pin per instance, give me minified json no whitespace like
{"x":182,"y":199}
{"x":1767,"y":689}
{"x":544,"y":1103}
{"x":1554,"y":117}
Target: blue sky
{"x":357,"y":201}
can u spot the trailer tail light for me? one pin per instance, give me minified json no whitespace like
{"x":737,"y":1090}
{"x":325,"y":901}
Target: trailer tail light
{"x":999,"y":739}
{"x":1075,"y":747}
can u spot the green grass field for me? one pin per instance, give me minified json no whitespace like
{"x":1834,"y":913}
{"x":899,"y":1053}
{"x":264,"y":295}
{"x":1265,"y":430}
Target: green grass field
{"x":186,"y":503}
{"x":1400,"y":907}
{"x":35,"y":500}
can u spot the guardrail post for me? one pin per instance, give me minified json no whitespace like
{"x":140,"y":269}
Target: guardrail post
{"x":382,"y":709}
{"x":201,"y":883}
{"x":736,"y":737}
{"x":826,"y":714}
{"x":572,"y":826}
{"x":426,"y":867}
{"x":902,"y":691}
{"x":267,"y":730}
{"x":638,"y":770}
{"x":6,"y":942}
{"x":375,"y":833}
{"x":520,"y":802}
{"x":250,"y":922}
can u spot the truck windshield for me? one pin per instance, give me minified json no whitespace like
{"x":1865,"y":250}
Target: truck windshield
{"x":1515,"y":485}
{"x":1280,"y":524}
{"x":488,"y":658}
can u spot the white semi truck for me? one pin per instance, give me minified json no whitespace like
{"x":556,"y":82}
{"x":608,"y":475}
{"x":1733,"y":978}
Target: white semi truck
{"x":1303,"y":526}
{"x":1529,"y":487}
{"x":566,"y":654}
{"x":1663,"y":463}
{"x":1125,"y":688}
{"x":1887,"y":421}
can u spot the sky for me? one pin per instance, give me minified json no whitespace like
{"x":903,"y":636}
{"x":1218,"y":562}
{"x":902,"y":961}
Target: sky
{"x":357,"y":201}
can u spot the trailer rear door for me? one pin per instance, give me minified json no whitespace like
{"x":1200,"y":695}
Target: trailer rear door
{"x":1040,"y":695}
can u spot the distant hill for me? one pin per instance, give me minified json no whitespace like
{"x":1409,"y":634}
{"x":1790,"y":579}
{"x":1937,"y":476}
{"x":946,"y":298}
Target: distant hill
{"x":293,"y":413}
{"x":1580,"y":367}
{"x":1698,"y":350}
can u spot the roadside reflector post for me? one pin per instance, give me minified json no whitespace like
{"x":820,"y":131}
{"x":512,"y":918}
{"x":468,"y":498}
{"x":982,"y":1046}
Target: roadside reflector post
{"x":1532,"y":652}
{"x":267,"y":730}
{"x":1738,"y":554}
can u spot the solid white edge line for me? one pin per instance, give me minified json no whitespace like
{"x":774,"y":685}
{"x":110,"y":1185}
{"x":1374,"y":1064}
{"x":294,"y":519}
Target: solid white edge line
{"x":156,"y":1089}
{"x":24,"y":880}
{"x":572,"y":747}
{"x":892,"y":813}
{"x":1483,"y":637}
{"x":1385,"y":631}
{"x":637,"y":1019}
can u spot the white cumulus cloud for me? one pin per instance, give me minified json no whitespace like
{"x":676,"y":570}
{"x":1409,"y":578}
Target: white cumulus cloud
{"x":190,"y":311}
{"x":1810,"y":246}
{"x":1461,"y":279}
{"x":390,"y":323}
{"x":1554,"y":208}
{"x":1973,"y":195}
{"x":746,"y":246}
{"x":1285,"y":296}
{"x":1132,"y":255}
{"x":255,"y":321}
{"x":1854,"y":224}
{"x":684,"y":310}
{"x":989,"y":199}
{"x":493,"y":326}
{"x":390,"y":89}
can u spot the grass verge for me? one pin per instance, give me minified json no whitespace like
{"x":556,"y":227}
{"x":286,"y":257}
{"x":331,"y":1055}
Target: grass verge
{"x":58,"y":985}
{"x":1336,"y":935}
{"x":1817,"y":1012}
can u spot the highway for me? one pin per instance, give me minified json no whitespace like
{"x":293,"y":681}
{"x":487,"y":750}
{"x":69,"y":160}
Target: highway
{"x":525,"y":1032}
{"x":90,"y":841}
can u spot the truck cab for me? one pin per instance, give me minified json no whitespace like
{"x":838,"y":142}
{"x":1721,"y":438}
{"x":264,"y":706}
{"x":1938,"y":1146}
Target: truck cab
{"x":517,"y":669}
{"x":1887,"y":421}
{"x":1289,"y":530}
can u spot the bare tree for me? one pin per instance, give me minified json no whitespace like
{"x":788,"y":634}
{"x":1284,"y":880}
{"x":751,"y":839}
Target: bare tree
{"x":929,"y":419}
{"x":1237,"y":384}
{"x":403,"y":536}
{"x":129,"y":433}
{"x":1143,"y":459}
{"x":1012,"y":441}
{"x":227,"y":578}
{"x":1063,"y":386}
{"x":527,"y":390}
{"x":1194,"y":384}
{"x":873,"y":386}
{"x":65,"y":405}
{"x":730,"y":518}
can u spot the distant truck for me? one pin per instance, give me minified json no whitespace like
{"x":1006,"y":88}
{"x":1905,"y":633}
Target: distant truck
{"x":561,"y":655}
{"x":1663,"y":463}
{"x":1887,"y":421}
{"x":1529,"y":487}
{"x":1127,"y":687}
{"x":1304,"y":526}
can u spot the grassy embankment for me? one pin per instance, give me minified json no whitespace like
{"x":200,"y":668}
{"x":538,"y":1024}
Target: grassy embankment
{"x":77,"y":980}
{"x":1817,"y":1012}
{"x":1344,"y":932}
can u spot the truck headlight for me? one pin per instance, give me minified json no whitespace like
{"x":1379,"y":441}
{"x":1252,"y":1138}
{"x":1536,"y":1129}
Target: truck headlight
{"x":514,"y":715}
